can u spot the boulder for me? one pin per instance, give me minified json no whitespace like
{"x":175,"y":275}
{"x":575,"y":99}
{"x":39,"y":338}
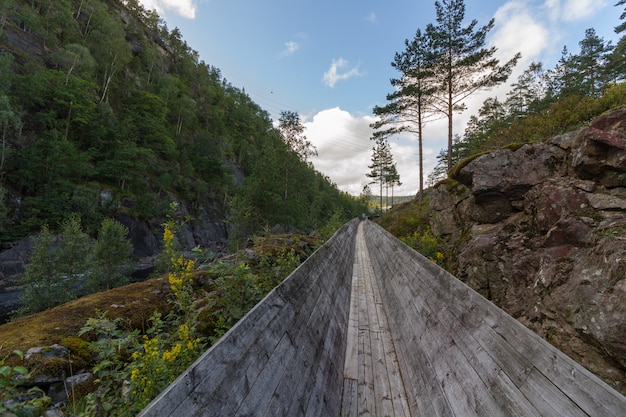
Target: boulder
{"x":13,"y":257}
{"x":545,"y":238}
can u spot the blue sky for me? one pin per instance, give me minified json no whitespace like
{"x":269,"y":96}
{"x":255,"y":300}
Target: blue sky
{"x":329,"y":60}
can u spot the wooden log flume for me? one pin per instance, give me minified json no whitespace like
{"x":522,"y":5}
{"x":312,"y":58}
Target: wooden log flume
{"x":367,"y":326}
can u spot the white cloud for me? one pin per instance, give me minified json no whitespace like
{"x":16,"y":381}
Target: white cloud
{"x":371,"y":17}
{"x":343,"y":147}
{"x":573,"y":10}
{"x":517,"y":30}
{"x":345,"y":151}
{"x":290,"y":48}
{"x":184,"y":8}
{"x":333,"y":74}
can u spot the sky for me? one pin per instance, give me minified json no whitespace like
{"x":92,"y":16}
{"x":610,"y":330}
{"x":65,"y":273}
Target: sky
{"x":330,"y":61}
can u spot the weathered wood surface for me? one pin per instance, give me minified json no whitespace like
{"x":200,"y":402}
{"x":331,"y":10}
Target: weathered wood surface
{"x":373,"y":385}
{"x":460,"y":355}
{"x":364,"y":314}
{"x":285,"y":357}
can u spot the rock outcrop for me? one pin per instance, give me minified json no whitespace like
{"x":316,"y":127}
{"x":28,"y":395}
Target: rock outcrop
{"x":541,"y":231}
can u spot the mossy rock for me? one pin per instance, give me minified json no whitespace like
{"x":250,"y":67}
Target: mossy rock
{"x":135,"y":303}
{"x":80,"y":354}
{"x":456,"y":169}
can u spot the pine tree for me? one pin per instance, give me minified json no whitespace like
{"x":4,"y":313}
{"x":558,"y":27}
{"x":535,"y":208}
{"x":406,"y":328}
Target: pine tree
{"x":376,"y":173}
{"x":392,"y":178}
{"x":462,"y":64}
{"x":592,"y":63}
{"x":382,"y":161}
{"x":622,"y":26}
{"x":42,"y":284}
{"x":55,"y":266}
{"x":410,"y":105}
{"x":292,"y":132}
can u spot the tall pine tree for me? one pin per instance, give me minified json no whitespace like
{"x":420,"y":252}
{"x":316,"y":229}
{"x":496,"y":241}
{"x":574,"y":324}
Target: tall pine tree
{"x":381,"y":162}
{"x":410,"y":106}
{"x":462,"y":63}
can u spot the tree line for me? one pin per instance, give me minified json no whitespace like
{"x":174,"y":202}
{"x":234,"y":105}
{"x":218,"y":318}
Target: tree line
{"x":448,"y":61}
{"x":104,"y":110}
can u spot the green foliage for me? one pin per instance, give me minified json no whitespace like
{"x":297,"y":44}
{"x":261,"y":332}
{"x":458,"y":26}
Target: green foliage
{"x":143,"y":125}
{"x":238,"y":290}
{"x":543,"y":104}
{"x":334,"y":223}
{"x":15,"y":402}
{"x":112,"y":258}
{"x":73,"y":251}
{"x":425,"y":244}
{"x":44,"y":284}
{"x":166,"y":349}
{"x":111,"y":343}
{"x":57,"y":264}
{"x":159,"y":361}
{"x":274,"y":269}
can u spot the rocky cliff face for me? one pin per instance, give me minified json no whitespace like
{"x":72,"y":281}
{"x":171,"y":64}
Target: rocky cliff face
{"x":541,"y":231}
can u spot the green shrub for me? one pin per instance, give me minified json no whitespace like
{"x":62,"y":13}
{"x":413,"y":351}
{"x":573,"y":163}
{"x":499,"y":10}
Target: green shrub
{"x":237,"y":291}
{"x":425,"y":244}
{"x":112,"y":255}
{"x":13,"y":401}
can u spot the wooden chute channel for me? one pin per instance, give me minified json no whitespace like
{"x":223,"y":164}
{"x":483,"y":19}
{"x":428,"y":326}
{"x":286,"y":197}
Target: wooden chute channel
{"x":369,"y":327}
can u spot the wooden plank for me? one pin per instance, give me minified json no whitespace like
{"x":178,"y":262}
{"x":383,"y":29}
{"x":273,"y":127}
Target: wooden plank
{"x":351,"y":366}
{"x":365,"y":392}
{"x":406,"y":310}
{"x":516,"y":354}
{"x":508,"y":397}
{"x":306,"y":333}
{"x":349,"y":406}
{"x":196,"y":386}
{"x":325,"y":396}
{"x":510,"y":356}
{"x":379,"y":383}
{"x":364,"y":313}
{"x":394,"y":382}
{"x":314,"y":335}
{"x":382,"y":390}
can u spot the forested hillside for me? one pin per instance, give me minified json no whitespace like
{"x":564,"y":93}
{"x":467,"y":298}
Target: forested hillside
{"x":105,"y":111}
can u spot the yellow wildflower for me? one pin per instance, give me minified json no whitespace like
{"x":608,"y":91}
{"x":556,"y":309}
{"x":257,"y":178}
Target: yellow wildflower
{"x":171,"y":355}
{"x":135,"y":374}
{"x":168,"y":235}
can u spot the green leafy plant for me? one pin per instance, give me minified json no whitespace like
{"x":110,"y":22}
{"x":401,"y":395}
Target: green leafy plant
{"x":274,"y":269}
{"x":425,"y":244}
{"x":237,"y":292}
{"x":160,"y":360}
{"x":111,"y":345}
{"x":15,"y":402}
{"x":112,"y":257}
{"x":333,"y":224}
